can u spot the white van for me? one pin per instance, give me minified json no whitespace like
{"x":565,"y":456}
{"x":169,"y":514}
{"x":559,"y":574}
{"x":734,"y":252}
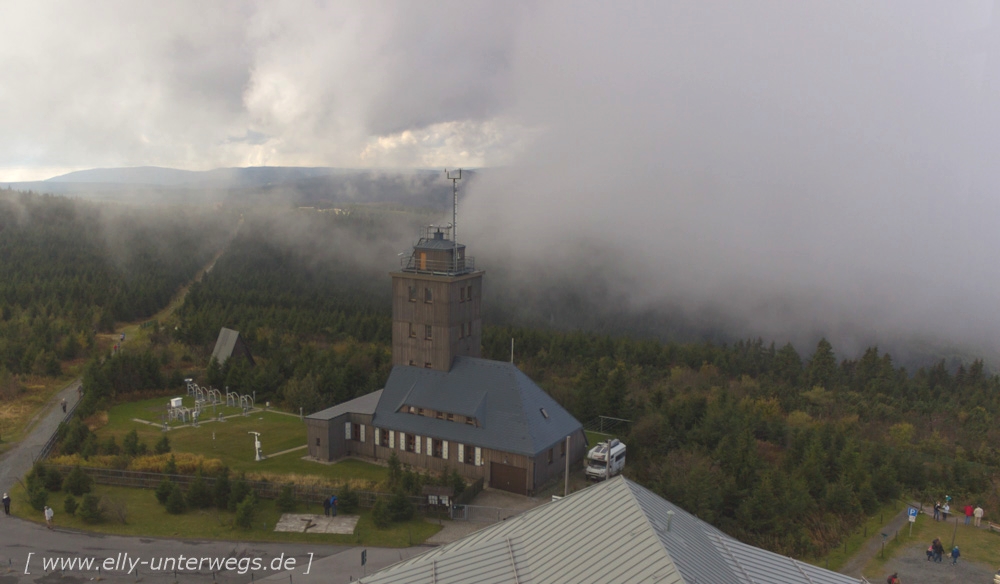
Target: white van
{"x":597,"y":459}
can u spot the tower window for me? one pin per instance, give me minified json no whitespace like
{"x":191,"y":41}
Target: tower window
{"x":428,"y":295}
{"x":461,"y":294}
{"x":427,"y":365}
{"x":468,"y":292}
{"x":413,"y":331}
{"x":413,"y":293}
{"x":428,"y":332}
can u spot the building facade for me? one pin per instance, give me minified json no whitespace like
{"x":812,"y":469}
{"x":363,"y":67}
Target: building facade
{"x":443,"y":407}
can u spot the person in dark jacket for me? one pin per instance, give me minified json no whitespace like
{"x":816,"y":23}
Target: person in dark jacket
{"x":954,"y":555}
{"x":326,"y":507}
{"x":938,"y":550}
{"x":6,"y":504}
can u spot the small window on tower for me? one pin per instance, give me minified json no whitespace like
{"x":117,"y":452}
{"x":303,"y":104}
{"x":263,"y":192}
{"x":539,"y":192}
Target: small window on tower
{"x":413,"y":293}
{"x":428,"y":331}
{"x":413,"y":331}
{"x":412,"y":363}
{"x":427,"y":365}
{"x":468,"y":292}
{"x":461,"y":294}
{"x":428,"y":296}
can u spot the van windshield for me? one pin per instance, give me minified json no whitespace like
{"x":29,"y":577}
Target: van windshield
{"x":597,"y":463}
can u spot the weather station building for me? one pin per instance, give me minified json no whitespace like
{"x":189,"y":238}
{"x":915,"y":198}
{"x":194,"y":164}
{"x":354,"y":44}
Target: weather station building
{"x":443,"y":406}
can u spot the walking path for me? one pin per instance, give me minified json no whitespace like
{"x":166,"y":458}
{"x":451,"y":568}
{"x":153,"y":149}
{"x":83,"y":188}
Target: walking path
{"x":18,"y":460}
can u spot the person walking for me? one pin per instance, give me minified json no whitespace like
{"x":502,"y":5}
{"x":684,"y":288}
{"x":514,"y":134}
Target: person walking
{"x":937,"y":511}
{"x":64,"y":405}
{"x":978,"y":513}
{"x":945,"y":511}
{"x":893,"y":579}
{"x":954,"y":555}
{"x":968,"y":514}
{"x":938,"y":550}
{"x":326,"y":506}
{"x":49,"y":514}
{"x":6,"y":504}
{"x":333,"y":505}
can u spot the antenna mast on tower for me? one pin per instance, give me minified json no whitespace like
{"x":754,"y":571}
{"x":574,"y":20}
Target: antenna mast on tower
{"x":454,"y":178}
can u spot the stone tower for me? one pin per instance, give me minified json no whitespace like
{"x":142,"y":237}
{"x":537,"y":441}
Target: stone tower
{"x":436,"y":302}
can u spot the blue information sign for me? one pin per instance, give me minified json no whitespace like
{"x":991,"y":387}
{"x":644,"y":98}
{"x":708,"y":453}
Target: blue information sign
{"x":913,"y":514}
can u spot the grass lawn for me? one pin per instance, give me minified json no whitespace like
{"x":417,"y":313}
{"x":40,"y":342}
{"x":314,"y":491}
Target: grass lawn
{"x":594,"y":437}
{"x":230,"y":442}
{"x":977,"y":544}
{"x":148,"y":518}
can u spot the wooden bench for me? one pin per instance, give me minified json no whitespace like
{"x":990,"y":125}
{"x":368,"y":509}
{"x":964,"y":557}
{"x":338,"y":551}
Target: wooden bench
{"x":993,"y":526}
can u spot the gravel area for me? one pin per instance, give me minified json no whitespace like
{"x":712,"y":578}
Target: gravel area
{"x":913,"y":568}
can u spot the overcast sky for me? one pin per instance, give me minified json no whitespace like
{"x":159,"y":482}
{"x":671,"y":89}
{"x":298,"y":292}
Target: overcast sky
{"x":804,"y":167}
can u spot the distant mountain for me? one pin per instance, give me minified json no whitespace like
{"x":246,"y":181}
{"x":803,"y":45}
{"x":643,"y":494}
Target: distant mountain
{"x":268,"y":185}
{"x":139,"y":175}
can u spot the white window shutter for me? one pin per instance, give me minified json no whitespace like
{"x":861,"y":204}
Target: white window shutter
{"x":417,"y":441}
{"x":347,"y":430}
{"x":402,"y":440}
{"x":444,"y":449}
{"x":362,"y":432}
{"x":461,"y":452}
{"x":392,"y":438}
{"x":479,"y":456}
{"x":377,"y":435}
{"x":430,"y":446}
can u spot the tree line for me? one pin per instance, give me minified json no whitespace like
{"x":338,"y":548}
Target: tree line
{"x":70,"y":268}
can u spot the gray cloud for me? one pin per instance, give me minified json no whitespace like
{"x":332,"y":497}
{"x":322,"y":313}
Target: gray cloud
{"x":800,"y":168}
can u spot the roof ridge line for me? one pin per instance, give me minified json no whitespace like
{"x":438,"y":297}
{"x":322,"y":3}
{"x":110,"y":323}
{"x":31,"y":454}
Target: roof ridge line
{"x":649,"y":524}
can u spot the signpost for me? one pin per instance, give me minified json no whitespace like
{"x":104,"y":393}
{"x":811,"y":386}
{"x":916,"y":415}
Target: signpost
{"x":912,"y":515}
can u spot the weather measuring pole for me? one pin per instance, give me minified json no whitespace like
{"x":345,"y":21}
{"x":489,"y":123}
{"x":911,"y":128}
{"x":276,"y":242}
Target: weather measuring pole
{"x":454,"y":178}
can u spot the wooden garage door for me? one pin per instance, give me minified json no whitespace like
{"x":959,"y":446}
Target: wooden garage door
{"x":509,"y":478}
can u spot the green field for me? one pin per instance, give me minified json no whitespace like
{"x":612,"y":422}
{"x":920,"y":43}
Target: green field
{"x":230,"y":442}
{"x":145,"y":516}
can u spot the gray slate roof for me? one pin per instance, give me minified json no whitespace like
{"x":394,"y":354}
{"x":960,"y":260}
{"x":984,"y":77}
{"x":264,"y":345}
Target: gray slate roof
{"x":505,"y":401}
{"x":225,"y":344}
{"x":359,"y":405}
{"x":612,"y":532}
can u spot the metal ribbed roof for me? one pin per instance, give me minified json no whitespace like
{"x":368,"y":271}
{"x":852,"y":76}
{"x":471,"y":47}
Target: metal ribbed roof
{"x":505,"y":402}
{"x":615,"y":531}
